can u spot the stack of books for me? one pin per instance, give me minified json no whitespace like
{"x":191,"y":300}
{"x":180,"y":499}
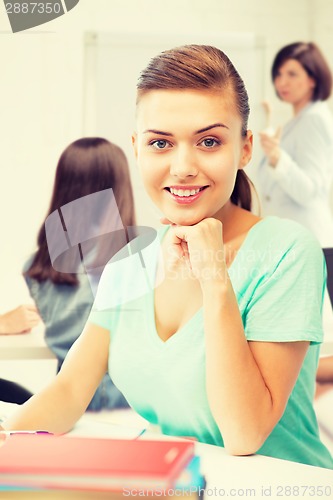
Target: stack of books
{"x":122,"y":466}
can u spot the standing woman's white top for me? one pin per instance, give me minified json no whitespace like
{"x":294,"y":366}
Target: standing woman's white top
{"x":295,"y":176}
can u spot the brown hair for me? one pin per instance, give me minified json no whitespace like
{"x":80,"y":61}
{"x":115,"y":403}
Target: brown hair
{"x":87,"y":166}
{"x":314,"y":63}
{"x":201,"y":67}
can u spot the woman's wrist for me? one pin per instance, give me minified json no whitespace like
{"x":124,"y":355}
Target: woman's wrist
{"x":274,"y":157}
{"x":217,"y":288}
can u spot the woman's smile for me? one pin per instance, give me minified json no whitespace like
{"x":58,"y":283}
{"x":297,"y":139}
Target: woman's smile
{"x":185,"y":194}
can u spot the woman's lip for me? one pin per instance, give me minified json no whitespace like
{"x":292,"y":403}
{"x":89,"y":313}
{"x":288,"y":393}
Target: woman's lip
{"x":185,"y":186}
{"x":187,"y":200}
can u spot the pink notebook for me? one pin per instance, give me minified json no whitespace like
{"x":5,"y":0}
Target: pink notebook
{"x":47,"y":461}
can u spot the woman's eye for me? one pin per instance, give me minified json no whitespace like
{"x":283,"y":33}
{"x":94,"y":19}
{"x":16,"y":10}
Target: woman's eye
{"x":160,"y":144}
{"x":210,"y":142}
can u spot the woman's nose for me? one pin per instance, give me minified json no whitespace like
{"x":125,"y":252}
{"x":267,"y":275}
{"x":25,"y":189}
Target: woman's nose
{"x":183,"y":163}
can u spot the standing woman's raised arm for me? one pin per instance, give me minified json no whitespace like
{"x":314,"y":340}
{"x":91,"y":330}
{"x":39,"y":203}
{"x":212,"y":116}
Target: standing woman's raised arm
{"x":57,"y":407}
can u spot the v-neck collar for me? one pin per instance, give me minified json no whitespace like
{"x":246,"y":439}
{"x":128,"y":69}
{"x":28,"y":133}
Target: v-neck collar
{"x":151,"y":296}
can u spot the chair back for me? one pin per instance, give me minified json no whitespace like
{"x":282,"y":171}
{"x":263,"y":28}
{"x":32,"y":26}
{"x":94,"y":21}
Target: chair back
{"x":328,"y":252}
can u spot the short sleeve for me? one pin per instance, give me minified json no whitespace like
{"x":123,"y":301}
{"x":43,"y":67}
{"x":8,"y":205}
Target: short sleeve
{"x":286,"y":304}
{"x":99,"y":318}
{"x":129,"y":275}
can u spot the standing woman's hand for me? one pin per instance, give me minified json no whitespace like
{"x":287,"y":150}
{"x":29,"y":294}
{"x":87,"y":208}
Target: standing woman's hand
{"x":271,"y":146}
{"x":201,"y":246}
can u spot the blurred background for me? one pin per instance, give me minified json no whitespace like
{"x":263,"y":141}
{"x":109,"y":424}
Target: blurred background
{"x":75,"y":76}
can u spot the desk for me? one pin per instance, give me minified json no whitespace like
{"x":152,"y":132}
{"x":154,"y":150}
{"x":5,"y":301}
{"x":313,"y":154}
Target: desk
{"x":237,"y":477}
{"x":25,"y":346}
{"x":227,"y":476}
{"x":260,"y":476}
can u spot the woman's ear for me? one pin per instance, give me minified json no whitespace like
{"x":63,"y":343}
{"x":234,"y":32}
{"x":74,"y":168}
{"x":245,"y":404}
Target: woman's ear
{"x":135,"y":144}
{"x":246,"y":150}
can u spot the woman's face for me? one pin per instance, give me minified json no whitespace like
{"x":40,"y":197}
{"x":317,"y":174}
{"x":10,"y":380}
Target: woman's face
{"x":293,"y":84}
{"x":189,"y":147}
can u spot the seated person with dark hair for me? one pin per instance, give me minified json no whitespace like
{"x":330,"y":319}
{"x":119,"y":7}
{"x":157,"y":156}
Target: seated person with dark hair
{"x":324,"y":375}
{"x":19,"y":320}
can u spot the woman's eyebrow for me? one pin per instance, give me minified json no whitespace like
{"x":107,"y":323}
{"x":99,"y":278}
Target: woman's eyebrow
{"x":169,"y":134}
{"x":209,"y":127}
{"x":158,"y":132}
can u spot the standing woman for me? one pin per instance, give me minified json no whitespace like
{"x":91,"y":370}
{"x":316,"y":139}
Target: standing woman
{"x":63,"y":293}
{"x":225,"y":348}
{"x":295,"y":177}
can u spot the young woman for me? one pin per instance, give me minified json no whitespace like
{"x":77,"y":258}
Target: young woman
{"x":63,"y":289}
{"x":225,"y":346}
{"x":295,"y":176}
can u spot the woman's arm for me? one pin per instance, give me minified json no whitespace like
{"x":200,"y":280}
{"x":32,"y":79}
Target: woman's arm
{"x":325,"y":370}
{"x":258,"y":377}
{"x":248,"y":383}
{"x":305,"y":173}
{"x":57,"y":407}
{"x":19,"y":320}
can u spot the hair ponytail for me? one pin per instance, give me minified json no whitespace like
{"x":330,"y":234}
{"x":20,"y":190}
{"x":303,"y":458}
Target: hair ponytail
{"x":242,"y":193}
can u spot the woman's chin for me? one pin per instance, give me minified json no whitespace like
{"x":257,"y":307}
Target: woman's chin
{"x":183,"y":220}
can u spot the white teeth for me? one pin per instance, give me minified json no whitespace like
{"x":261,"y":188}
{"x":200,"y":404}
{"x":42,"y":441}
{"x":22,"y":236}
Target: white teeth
{"x":184,"y":192}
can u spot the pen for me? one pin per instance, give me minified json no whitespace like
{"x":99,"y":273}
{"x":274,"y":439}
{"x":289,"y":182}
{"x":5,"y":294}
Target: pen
{"x":140,"y":433}
{"x":8,"y":433}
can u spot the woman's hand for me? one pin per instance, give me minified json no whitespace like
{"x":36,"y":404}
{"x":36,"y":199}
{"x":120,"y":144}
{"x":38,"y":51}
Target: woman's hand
{"x":271,"y":146}
{"x":19,"y":320}
{"x":201,"y":247}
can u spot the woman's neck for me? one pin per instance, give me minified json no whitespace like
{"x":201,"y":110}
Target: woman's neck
{"x":298,"y":107}
{"x":236,"y":221}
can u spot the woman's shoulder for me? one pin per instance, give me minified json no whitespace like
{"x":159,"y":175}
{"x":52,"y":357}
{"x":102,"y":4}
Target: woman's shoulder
{"x":318,"y":116}
{"x":278,"y":227}
{"x":317,"y":108}
{"x":132,"y":270}
{"x":27,"y":263}
{"x":282,"y":252}
{"x":285,"y":235}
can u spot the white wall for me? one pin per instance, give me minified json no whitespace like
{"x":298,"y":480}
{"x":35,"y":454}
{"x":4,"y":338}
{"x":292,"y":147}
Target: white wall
{"x":41,"y":103}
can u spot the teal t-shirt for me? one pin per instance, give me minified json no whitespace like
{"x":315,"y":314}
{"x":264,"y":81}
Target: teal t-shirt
{"x":278,"y":276}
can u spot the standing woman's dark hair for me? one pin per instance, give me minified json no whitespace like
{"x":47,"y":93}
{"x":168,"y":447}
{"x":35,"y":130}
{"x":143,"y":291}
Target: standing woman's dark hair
{"x":201,"y":67}
{"x":311,"y":58}
{"x":87,"y":166}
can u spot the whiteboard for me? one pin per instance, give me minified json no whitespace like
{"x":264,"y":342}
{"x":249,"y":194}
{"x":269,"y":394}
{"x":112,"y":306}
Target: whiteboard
{"x":112,"y":65}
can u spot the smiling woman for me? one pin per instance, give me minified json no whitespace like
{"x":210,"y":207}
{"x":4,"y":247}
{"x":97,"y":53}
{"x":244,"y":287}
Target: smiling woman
{"x":225,"y":348}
